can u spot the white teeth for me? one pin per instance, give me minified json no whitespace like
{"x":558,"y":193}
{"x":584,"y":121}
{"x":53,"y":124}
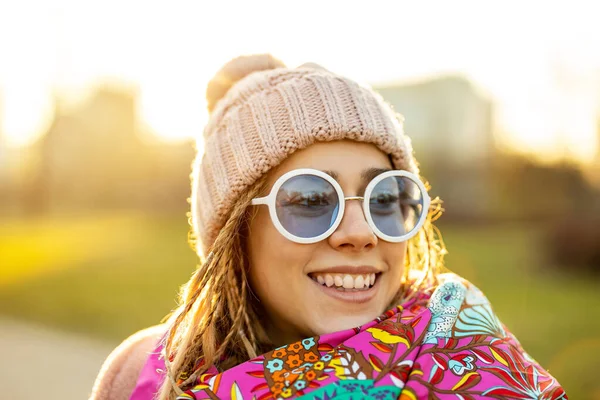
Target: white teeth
{"x":346,"y":281}
{"x":359,"y":282}
{"x":338,"y":280}
{"x":329,"y":280}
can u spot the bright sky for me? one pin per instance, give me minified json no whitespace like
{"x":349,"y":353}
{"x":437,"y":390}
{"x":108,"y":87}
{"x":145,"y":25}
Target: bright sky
{"x":539,"y":60}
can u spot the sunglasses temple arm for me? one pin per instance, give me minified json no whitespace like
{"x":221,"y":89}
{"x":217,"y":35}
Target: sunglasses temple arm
{"x":259,"y":200}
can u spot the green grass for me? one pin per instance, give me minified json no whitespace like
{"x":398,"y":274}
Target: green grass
{"x":110,"y":275}
{"x":124,"y":277}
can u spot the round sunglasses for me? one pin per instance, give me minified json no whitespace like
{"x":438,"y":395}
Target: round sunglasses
{"x":307,"y":205}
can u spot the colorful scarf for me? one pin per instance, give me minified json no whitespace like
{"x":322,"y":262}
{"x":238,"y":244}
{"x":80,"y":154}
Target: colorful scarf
{"x":449,"y":345}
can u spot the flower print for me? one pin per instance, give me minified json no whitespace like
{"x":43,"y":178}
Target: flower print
{"x":310,"y":357}
{"x":326,"y":357}
{"x":279,"y":353}
{"x":295,"y":348}
{"x":478,"y":320}
{"x":310,"y":375}
{"x":319,"y":365}
{"x":291,"y":377}
{"x":299,"y":384}
{"x":275,"y":365}
{"x":308,"y":343}
{"x":444,"y":305}
{"x":447,"y":298}
{"x":382,"y":395}
{"x":277,"y":388}
{"x":356,"y":389}
{"x":524,"y":381}
{"x":293,"y":360}
{"x":461,"y":363}
{"x":286,"y":393}
{"x":279,"y":376}
{"x":390,"y":332}
{"x":300,"y":370}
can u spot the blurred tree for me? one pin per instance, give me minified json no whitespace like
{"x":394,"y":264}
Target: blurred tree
{"x":573,"y":243}
{"x":529,"y":191}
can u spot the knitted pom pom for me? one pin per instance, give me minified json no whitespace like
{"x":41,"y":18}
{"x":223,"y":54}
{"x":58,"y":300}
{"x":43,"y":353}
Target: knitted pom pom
{"x":313,"y":66}
{"x":234,"y":71}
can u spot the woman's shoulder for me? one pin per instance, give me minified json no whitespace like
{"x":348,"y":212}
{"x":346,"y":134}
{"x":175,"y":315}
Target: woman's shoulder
{"x":121,"y":369}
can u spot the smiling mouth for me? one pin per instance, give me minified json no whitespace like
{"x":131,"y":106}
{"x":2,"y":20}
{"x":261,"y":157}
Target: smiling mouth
{"x":346,"y":282}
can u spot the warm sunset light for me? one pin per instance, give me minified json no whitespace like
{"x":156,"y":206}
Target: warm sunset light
{"x":116,"y":223}
{"x":544,"y":81}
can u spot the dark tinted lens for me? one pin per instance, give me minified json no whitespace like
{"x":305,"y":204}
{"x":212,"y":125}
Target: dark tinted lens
{"x":307,"y":205}
{"x":396,"y":204}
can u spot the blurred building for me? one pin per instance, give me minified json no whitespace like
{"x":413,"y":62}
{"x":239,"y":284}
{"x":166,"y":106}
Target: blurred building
{"x":448,"y":120}
{"x":7,"y":181}
{"x":3,"y":153}
{"x":93,"y":157}
{"x":592,"y":172}
{"x":4,"y":175}
{"x":9,"y":169}
{"x":450,"y":124}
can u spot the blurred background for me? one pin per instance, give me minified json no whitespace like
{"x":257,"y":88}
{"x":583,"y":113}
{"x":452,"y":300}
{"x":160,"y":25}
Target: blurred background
{"x":100,"y":103}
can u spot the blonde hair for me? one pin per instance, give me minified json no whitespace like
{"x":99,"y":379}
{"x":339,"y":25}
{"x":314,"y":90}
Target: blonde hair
{"x":218,"y":320}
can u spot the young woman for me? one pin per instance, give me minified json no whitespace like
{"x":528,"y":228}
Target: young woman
{"x":322,"y":273}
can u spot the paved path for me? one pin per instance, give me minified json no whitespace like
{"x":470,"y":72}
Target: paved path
{"x":63,"y":365}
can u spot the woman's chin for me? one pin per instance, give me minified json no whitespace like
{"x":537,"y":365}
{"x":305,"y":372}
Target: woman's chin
{"x":342,"y":322}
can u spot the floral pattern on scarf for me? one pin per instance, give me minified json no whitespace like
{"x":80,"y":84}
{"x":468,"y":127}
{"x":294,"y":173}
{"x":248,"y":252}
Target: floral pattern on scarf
{"x":449,"y":345}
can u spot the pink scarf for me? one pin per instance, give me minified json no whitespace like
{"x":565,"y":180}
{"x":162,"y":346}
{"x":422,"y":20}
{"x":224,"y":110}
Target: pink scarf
{"x":449,"y":345}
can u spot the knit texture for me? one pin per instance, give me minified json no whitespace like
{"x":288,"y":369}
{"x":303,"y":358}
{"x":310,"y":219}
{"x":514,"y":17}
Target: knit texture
{"x":119,"y":373}
{"x":268,"y":115}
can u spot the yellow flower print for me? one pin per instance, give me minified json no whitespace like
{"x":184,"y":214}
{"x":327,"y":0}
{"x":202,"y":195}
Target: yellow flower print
{"x":387,"y":337}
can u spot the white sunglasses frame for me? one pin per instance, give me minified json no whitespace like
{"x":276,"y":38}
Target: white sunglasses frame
{"x":270,"y":200}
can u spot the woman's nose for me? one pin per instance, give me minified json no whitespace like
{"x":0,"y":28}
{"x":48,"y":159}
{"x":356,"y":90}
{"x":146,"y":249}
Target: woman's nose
{"x":354,"y":232}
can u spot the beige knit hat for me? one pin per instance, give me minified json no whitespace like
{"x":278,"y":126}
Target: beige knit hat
{"x":261,"y":112}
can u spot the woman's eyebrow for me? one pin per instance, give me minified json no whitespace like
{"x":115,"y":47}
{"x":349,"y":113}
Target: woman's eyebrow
{"x":368,"y":174}
{"x":333,"y":174}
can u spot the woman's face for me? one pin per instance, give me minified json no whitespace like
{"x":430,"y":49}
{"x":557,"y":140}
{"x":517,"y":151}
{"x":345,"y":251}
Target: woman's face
{"x":285,"y":275}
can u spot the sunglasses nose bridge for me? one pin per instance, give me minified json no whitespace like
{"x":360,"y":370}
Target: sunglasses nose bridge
{"x":353,"y":198}
{"x":361,"y":198}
